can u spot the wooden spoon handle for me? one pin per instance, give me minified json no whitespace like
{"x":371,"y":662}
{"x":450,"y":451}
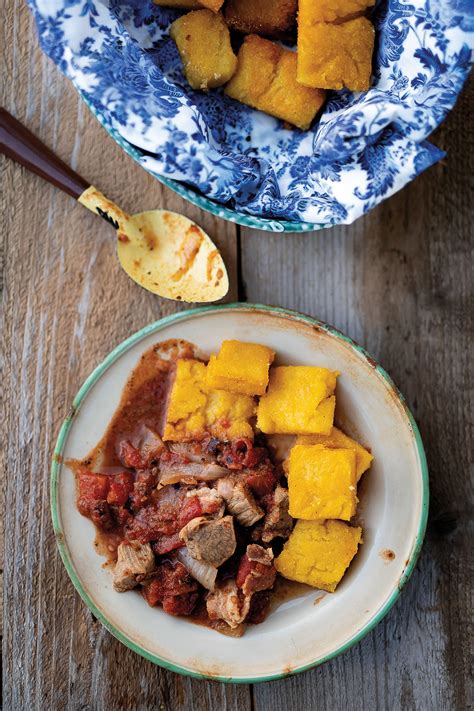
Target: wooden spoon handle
{"x":22,"y":146}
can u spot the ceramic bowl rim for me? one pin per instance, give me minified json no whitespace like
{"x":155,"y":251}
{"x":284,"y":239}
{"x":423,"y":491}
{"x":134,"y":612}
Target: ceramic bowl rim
{"x":155,"y":327}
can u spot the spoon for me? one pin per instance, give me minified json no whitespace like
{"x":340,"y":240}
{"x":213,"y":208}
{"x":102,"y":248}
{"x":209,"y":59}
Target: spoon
{"x":164,"y":252}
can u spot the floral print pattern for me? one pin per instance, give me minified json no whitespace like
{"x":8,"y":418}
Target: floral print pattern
{"x":364,"y":147}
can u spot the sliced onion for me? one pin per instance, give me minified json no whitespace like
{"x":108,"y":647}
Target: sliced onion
{"x":174,"y":473}
{"x":210,"y":472}
{"x":202,"y":572}
{"x":149,"y":443}
{"x":175,"y":477}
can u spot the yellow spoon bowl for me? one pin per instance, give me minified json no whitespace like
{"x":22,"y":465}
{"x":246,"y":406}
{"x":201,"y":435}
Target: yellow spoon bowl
{"x":164,"y":252}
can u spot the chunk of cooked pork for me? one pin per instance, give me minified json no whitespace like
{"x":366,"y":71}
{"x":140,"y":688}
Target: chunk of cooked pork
{"x":240,"y":501}
{"x":256,"y":570}
{"x":225,"y":487}
{"x":225,"y":603}
{"x":278,"y":522}
{"x":210,"y":500}
{"x":210,"y":540}
{"x":259,"y":554}
{"x":134,"y":562}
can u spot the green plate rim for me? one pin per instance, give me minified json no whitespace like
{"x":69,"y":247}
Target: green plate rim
{"x":93,"y":378}
{"x":206,"y":204}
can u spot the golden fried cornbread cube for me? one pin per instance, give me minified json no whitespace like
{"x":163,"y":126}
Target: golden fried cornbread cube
{"x":194,"y":409}
{"x":214,"y":5}
{"x":265,"y":17}
{"x":240,"y":367}
{"x":318,"y":553}
{"x":336,"y":56}
{"x":322,"y":482}
{"x":337,"y":439}
{"x":266,"y":80}
{"x":311,"y":12}
{"x":203,"y":42}
{"x":299,"y":400}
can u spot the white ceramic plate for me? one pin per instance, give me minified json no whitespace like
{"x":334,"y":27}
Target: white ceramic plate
{"x":393,"y":507}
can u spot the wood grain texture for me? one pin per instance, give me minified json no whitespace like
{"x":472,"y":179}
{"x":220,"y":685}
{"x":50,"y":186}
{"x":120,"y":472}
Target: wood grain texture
{"x":399,"y":281}
{"x":66,"y":304}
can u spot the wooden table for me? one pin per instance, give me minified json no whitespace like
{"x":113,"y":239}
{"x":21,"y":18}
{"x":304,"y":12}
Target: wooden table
{"x":399,"y":281}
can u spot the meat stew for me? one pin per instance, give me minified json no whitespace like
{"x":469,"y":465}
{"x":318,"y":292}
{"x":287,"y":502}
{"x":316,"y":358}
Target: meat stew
{"x":191,"y":525}
{"x":191,"y":489}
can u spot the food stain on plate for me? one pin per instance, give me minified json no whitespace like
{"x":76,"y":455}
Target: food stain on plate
{"x":319,"y":599}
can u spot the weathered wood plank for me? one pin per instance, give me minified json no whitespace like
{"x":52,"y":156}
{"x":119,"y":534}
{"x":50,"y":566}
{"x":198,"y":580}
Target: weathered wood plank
{"x":67,"y":303}
{"x":399,"y":281}
{"x":392,"y":281}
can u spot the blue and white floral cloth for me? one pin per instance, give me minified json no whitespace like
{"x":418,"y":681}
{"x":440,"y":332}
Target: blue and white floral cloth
{"x":364,"y":148}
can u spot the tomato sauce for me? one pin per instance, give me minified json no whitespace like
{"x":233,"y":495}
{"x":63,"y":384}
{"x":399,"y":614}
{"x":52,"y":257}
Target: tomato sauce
{"x":143,"y":400}
{"x":117,"y":489}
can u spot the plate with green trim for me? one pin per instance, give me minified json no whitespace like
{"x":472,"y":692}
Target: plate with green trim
{"x":298,"y":633}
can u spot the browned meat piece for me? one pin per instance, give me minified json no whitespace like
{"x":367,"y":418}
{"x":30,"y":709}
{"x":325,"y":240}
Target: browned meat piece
{"x":278,"y":522}
{"x":225,"y":488}
{"x":259,"y":607}
{"x":240,"y":501}
{"x":256,"y":570}
{"x":259,"y":554}
{"x":134,"y":562}
{"x":210,"y":540}
{"x":199,"y":502}
{"x":210,"y":500}
{"x":225,"y":603}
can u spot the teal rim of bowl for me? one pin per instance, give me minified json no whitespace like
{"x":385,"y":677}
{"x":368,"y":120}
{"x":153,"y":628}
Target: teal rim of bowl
{"x":58,"y":458}
{"x":239,"y":218}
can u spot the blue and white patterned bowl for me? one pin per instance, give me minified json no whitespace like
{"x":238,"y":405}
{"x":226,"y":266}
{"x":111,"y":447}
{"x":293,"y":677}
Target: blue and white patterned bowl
{"x":239,"y":163}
